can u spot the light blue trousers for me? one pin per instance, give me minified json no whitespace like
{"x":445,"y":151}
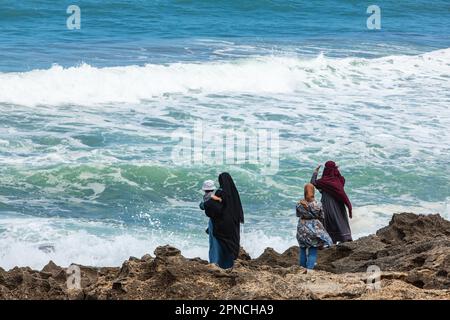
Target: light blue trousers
{"x":217,"y":254}
{"x":308,"y":257}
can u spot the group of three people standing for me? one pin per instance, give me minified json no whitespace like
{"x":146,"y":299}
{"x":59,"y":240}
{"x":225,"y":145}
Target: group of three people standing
{"x":321,"y":223}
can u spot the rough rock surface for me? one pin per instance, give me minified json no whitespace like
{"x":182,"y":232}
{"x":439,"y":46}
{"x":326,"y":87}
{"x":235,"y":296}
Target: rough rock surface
{"x":416,"y":244}
{"x":413,"y":253}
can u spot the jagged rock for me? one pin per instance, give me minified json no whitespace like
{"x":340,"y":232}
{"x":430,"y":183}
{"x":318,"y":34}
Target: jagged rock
{"x":146,"y":257}
{"x":418,"y":244}
{"x":52,"y":268}
{"x":274,"y":259}
{"x":133,"y":259}
{"x":413,"y":253}
{"x":291,"y":255}
{"x":410,"y":227}
{"x":167,"y":251}
{"x":243,"y":255}
{"x":271,"y":258}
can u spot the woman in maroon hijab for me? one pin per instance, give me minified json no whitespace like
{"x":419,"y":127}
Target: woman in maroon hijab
{"x":334,"y":200}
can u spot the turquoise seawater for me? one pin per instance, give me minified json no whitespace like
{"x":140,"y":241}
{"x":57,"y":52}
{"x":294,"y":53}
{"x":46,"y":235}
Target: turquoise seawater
{"x":91,"y":118}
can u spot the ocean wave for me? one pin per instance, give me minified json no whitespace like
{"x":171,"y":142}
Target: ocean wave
{"x":88,"y":85}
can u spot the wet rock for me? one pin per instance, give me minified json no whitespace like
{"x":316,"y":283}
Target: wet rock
{"x":47,"y":247}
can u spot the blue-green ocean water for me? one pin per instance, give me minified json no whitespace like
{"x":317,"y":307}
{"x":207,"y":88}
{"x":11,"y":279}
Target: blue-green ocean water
{"x":88,"y":118}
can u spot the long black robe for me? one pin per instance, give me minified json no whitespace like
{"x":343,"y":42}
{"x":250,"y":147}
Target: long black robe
{"x":226,"y":215}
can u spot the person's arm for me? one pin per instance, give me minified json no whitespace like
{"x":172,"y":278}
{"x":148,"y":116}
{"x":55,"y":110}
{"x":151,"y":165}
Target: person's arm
{"x":314,"y":178}
{"x":218,"y":195}
{"x":301,"y":208}
{"x":202,"y":205}
{"x":298,"y":210}
{"x":214,"y":208}
{"x":315,"y":174}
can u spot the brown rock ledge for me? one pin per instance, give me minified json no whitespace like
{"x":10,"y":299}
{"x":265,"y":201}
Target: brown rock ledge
{"x":413,"y":253}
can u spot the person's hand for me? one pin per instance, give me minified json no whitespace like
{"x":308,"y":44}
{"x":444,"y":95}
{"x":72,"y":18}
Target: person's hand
{"x":318,"y":168}
{"x":214,"y":197}
{"x":304,"y":203}
{"x":350,"y":215}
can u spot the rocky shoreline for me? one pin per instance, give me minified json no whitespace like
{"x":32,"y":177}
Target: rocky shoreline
{"x":412,"y":252}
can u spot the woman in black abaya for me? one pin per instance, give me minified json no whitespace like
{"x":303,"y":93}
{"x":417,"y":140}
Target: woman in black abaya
{"x":225,"y":211}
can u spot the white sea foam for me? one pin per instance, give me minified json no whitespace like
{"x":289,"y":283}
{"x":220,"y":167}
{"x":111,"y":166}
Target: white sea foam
{"x":103,"y":244}
{"x":373,"y":112}
{"x":87,"y":85}
{"x":78,"y":241}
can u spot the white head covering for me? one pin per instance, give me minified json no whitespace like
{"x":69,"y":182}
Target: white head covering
{"x":208,"y":185}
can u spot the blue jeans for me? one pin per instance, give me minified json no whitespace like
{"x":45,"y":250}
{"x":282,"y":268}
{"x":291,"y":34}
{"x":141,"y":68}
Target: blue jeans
{"x":216,"y":253}
{"x":308,"y":259}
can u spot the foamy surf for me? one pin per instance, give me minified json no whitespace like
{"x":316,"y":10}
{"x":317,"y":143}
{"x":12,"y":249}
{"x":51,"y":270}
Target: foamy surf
{"x":30,"y":241}
{"x":265,"y":75}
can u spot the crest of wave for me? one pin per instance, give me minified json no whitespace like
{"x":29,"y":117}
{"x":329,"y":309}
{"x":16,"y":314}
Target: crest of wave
{"x":87,"y":85}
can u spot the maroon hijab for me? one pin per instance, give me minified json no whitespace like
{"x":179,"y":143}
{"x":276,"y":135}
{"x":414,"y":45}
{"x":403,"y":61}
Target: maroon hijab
{"x":333,"y":183}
